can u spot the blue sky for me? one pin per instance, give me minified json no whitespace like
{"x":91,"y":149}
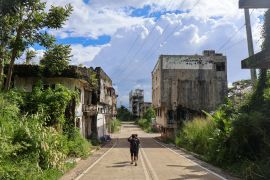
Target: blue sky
{"x":101,"y":40}
{"x":125,"y":37}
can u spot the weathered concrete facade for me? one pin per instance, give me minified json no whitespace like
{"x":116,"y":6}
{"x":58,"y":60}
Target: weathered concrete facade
{"x":136,"y":102}
{"x":107,"y":100}
{"x":96,"y":106}
{"x":183,"y":85}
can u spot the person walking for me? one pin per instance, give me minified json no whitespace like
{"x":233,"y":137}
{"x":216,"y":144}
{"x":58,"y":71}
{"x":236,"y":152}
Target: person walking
{"x":134,"y":148}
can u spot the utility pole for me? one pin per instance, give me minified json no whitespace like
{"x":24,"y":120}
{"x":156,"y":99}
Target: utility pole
{"x":253,"y":60}
{"x":250,"y":45}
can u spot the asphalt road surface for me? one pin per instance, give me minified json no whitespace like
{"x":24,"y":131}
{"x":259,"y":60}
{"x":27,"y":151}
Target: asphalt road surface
{"x":156,"y":161}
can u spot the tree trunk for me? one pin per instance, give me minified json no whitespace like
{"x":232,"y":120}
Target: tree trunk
{"x":1,"y":66}
{"x":12,"y":61}
{"x":10,"y":69}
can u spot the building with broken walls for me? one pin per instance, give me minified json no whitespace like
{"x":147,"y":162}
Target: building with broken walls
{"x":88,"y":111}
{"x":107,"y":100}
{"x":183,"y":85}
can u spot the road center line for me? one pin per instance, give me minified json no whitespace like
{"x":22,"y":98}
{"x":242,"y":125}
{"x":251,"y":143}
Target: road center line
{"x":208,"y":170}
{"x":152,"y":171}
{"x":146,"y":173}
{"x":99,"y":159}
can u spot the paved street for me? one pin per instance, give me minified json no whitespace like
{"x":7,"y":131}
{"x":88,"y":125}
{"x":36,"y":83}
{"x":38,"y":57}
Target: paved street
{"x":155,"y":161}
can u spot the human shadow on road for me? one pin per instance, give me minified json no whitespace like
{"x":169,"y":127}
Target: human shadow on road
{"x":120,"y":164}
{"x":125,"y":162}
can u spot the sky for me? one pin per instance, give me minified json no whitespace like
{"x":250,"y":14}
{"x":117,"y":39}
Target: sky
{"x":126,"y":37}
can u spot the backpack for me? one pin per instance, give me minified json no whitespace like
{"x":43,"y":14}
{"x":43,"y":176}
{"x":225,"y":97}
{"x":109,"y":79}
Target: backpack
{"x":135,"y":144}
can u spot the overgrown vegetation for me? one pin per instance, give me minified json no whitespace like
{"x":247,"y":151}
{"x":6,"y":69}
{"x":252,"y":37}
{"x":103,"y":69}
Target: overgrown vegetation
{"x":33,"y":143}
{"x":146,"y":122}
{"x":234,"y":139}
{"x":115,"y":125}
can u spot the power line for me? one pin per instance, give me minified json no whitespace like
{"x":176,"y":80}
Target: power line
{"x":166,"y":28}
{"x":133,"y":44}
{"x":230,"y":39}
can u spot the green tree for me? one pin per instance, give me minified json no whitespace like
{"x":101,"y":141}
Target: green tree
{"x":28,"y":22}
{"x":56,"y":58}
{"x":7,"y":9}
{"x":149,"y":114}
{"x":123,"y":114}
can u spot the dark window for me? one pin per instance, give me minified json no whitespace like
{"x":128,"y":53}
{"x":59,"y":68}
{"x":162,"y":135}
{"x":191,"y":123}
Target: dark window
{"x":170,"y":117}
{"x":220,"y":66}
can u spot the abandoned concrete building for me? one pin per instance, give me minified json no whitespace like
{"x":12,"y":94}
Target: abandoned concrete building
{"x":136,"y":102}
{"x":183,"y":85}
{"x":85,"y":112}
{"x":106,"y":105}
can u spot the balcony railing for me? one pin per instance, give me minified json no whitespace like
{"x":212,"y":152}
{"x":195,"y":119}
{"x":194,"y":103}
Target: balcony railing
{"x":90,"y":109}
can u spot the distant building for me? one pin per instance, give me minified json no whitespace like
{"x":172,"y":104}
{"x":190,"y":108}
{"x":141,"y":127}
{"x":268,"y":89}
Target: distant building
{"x":97,"y":105}
{"x":183,"y":85}
{"x":136,"y":102}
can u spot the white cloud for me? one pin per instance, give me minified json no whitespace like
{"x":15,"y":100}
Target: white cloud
{"x":91,"y":21}
{"x":84,"y":55}
{"x":129,"y":59}
{"x":35,"y":60}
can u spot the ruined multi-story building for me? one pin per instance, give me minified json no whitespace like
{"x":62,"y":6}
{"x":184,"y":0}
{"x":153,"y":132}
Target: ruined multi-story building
{"x":106,"y":103}
{"x":96,"y":106}
{"x":183,"y":85}
{"x":136,"y":102}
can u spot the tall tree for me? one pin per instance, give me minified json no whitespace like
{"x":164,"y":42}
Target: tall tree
{"x":31,"y":22}
{"x":7,"y":10}
{"x":56,"y":59}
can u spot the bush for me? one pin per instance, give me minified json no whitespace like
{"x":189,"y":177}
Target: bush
{"x":29,"y":147}
{"x":145,"y":124}
{"x":115,"y":125}
{"x":77,"y":145}
{"x":196,"y":135}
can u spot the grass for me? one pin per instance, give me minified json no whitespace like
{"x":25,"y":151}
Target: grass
{"x":115,"y":125}
{"x":196,"y":135}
